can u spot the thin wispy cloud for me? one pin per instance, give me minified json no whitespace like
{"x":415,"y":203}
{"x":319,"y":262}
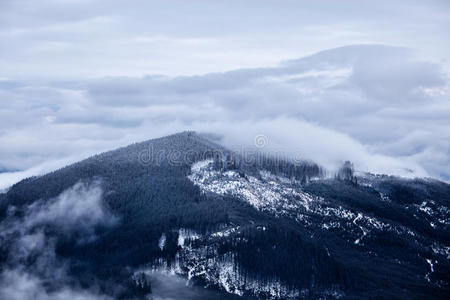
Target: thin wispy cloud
{"x":32,"y":268}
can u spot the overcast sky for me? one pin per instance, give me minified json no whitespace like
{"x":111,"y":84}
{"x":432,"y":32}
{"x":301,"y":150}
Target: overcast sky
{"x":333,"y":80}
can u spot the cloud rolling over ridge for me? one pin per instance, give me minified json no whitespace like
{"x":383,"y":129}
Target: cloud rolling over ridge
{"x":379,"y":106}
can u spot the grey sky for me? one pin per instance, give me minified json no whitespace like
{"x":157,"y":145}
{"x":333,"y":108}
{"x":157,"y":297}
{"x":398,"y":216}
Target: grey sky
{"x":91,"y":38}
{"x":82,"y":76}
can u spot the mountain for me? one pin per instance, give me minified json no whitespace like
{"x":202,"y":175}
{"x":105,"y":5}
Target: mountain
{"x":141,"y":220}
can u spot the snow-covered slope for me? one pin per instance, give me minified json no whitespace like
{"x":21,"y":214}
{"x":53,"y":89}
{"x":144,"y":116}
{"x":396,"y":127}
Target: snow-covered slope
{"x":282,"y":196}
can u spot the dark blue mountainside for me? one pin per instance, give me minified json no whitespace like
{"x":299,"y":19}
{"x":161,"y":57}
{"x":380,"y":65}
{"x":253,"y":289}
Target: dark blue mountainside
{"x":123,"y":222}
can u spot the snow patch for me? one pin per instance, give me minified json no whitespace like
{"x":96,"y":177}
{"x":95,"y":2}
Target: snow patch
{"x":270,"y":193}
{"x":186,"y":234}
{"x":162,"y":241}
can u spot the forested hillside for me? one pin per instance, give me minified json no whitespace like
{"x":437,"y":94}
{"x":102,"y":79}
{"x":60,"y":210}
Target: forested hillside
{"x":272,"y":228}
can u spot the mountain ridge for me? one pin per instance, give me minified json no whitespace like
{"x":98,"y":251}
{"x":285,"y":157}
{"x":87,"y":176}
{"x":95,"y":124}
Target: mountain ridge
{"x":266,"y":229}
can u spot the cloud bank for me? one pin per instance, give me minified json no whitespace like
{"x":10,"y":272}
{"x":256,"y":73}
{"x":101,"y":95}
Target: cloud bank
{"x":88,"y":39}
{"x":381,"y":107}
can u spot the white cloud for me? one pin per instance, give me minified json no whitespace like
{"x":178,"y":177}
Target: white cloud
{"x":32,"y":269}
{"x":78,"y":208}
